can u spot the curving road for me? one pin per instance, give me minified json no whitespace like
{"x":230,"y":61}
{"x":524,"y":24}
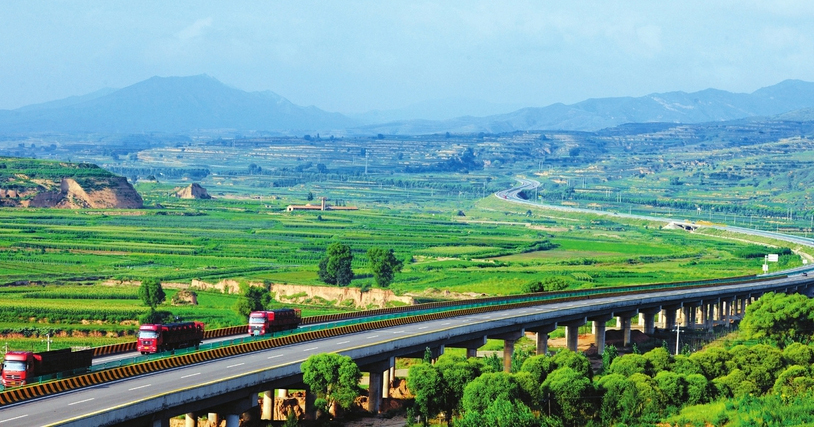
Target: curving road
{"x":115,"y":402}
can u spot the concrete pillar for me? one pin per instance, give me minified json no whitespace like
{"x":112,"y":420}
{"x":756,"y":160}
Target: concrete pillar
{"x":625,"y":331}
{"x":649,"y":322}
{"x":541,"y":343}
{"x":662,"y":319}
{"x":641,"y":320}
{"x":572,"y":336}
{"x":190,"y":420}
{"x":386,"y":384}
{"x":508,"y":350}
{"x":374,"y":399}
{"x":728,"y":319}
{"x":703,"y":319}
{"x":393,"y":371}
{"x":282,"y":393}
{"x":267,"y":410}
{"x":471,"y":352}
{"x":599,"y":336}
{"x":162,"y":422}
{"x":686,"y":313}
{"x":233,"y":420}
{"x":710,"y":315}
{"x":670,"y":318}
{"x":214,"y":419}
{"x":743,"y":307}
{"x":541,"y":337}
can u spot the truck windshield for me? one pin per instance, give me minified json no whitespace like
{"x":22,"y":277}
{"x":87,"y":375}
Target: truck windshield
{"x":256,"y":320}
{"x":13,"y":366}
{"x":147,"y":334}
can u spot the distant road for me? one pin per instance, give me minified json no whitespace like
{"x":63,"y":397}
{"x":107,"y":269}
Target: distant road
{"x":512,"y":195}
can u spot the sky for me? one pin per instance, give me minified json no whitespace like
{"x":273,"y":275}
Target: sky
{"x":356,"y":56}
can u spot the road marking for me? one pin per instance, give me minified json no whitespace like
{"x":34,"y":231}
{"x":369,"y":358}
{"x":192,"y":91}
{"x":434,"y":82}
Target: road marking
{"x":136,"y":388}
{"x":423,"y":327}
{"x":398,"y":332}
{"x":343,"y":342}
{"x":81,"y":401}
{"x":444,"y":324}
{"x":309,"y":349}
{"x":12,"y":419}
{"x":232,"y":366}
{"x":374,"y":336}
{"x":272,"y":357}
{"x":191,"y":375}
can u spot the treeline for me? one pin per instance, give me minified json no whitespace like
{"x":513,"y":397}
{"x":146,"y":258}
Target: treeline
{"x":773,"y":368}
{"x":159,"y":173}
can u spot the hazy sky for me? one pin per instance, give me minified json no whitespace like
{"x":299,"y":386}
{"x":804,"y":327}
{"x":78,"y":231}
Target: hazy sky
{"x":354,"y":56}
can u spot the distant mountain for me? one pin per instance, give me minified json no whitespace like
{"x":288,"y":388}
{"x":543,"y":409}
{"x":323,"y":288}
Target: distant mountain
{"x":593,"y":114}
{"x":172,"y":104}
{"x":437,"y":109}
{"x":198,"y":103}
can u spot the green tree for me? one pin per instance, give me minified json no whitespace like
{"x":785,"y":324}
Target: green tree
{"x":487,"y":388}
{"x":384,"y":265}
{"x":549,"y":284}
{"x":425,"y":383}
{"x":699,"y":390}
{"x":673,"y":386}
{"x":660,"y":359}
{"x":253,"y":298}
{"x":620,"y":400}
{"x":608,"y":356}
{"x":630,"y":364}
{"x":335,"y":267}
{"x":780,"y":318}
{"x":572,"y":396}
{"x":151,"y":293}
{"x":712,"y":362}
{"x":310,"y":196}
{"x":798,"y":354}
{"x":333,"y":378}
{"x":291,"y":419}
{"x":456,"y":372}
{"x":793,"y":381}
{"x":500,"y":413}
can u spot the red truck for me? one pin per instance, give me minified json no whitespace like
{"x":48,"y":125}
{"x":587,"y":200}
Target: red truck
{"x":155,"y":338}
{"x":20,"y":367}
{"x":263,"y":322}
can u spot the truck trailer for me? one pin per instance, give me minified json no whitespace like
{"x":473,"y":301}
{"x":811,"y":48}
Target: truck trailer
{"x":263,"y":322}
{"x":20,"y":367}
{"x":155,"y":338}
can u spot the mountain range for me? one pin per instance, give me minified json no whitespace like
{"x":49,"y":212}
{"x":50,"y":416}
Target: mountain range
{"x":202,"y":103}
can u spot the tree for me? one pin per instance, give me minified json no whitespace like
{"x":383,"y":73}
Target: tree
{"x":151,"y":293}
{"x":253,"y":298}
{"x":572,"y":396}
{"x":333,"y":378}
{"x":500,"y":413}
{"x":487,"y":388}
{"x":335,"y":267}
{"x":424,"y":382}
{"x":456,"y":372}
{"x":384,"y":265}
{"x":550,"y":284}
{"x":780,"y":318}
{"x":310,"y":196}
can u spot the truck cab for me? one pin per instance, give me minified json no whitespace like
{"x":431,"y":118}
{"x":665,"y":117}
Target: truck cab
{"x":149,"y":339}
{"x":16,"y":367}
{"x":259,"y":322}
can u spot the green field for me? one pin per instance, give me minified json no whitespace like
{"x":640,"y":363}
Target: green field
{"x":452,"y":247}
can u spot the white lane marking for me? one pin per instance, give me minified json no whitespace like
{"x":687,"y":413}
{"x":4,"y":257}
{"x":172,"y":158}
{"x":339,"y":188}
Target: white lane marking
{"x":81,"y":401}
{"x":444,"y":324}
{"x":232,"y":366}
{"x":343,"y":342}
{"x":398,"y":332}
{"x":309,"y":349}
{"x":373,"y":336}
{"x":423,"y":327}
{"x":12,"y":419}
{"x":136,"y":388}
{"x":191,"y":375}
{"x":273,"y":357}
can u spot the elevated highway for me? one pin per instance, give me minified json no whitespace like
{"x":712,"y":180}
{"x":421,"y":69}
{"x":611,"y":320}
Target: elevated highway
{"x":230,"y":385}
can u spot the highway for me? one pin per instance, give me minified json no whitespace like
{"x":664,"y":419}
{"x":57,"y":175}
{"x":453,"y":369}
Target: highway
{"x":511,"y":195}
{"x":111,"y":400}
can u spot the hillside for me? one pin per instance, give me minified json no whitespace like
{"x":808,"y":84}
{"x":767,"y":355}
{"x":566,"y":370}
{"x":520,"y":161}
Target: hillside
{"x":48,"y":184}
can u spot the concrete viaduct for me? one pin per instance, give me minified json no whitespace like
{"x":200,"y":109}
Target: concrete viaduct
{"x":227,"y":388}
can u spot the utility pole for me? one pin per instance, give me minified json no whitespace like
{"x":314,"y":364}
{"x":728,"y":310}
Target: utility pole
{"x":678,"y":333}
{"x":48,"y":341}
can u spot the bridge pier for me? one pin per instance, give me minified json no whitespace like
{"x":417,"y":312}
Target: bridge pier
{"x":599,"y":328}
{"x":649,"y":324}
{"x":471,"y":346}
{"x":541,"y":337}
{"x":190,"y":420}
{"x":213,"y":418}
{"x":232,"y":420}
{"x":623,"y":319}
{"x":572,"y":333}
{"x":376,"y":383}
{"x":162,"y":422}
{"x":509,"y":339}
